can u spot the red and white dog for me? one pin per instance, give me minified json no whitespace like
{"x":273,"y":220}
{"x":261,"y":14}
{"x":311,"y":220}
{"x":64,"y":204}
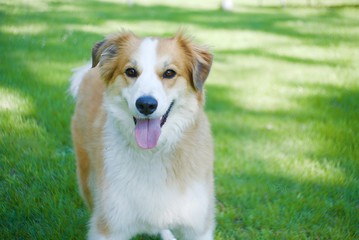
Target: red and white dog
{"x":143,"y":142}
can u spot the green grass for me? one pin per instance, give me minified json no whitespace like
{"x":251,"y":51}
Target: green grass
{"x":283,"y":99}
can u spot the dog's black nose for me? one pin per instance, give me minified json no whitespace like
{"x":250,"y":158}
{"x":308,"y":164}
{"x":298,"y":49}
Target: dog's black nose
{"x":146,"y":105}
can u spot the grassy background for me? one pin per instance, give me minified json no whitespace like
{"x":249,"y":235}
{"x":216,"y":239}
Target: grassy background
{"x":283,"y":99}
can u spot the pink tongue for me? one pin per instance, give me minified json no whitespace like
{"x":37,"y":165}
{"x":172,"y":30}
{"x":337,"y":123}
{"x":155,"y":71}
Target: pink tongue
{"x":147,"y":132}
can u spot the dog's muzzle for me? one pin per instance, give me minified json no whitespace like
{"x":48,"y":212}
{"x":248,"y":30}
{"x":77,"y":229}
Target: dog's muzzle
{"x":148,"y":130}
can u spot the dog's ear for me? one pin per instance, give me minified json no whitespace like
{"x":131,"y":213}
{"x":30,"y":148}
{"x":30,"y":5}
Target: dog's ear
{"x":103,"y":50}
{"x":102,"y":54}
{"x":201,"y":66}
{"x":105,"y":53}
{"x":95,"y":50}
{"x":109,"y":47}
{"x":199,"y":57}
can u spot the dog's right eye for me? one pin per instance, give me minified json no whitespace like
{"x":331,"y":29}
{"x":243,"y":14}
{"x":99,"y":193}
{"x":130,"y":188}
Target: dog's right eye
{"x":131,"y":72}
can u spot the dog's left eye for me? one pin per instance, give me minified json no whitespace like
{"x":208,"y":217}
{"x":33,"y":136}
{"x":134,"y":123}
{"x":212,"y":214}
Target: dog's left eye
{"x":131,"y":72}
{"x":169,"y":73}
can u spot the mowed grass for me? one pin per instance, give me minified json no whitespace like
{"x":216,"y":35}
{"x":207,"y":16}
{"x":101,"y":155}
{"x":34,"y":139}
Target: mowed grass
{"x":283,"y":99}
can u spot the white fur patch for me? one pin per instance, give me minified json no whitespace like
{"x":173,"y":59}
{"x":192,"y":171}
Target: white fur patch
{"x":167,"y":235}
{"x":136,"y":194}
{"x":148,"y":82}
{"x":76,"y":79}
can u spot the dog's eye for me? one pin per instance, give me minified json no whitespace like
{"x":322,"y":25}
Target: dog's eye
{"x":169,"y":73}
{"x":131,"y":72}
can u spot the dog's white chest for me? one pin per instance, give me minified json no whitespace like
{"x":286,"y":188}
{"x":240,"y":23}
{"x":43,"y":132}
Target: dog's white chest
{"x":137,"y":193}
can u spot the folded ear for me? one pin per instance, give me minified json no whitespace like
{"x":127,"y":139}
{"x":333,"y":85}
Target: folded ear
{"x":105,"y":53}
{"x":199,"y":57}
{"x":95,"y":50}
{"x":201,"y":66}
{"x":102,"y":51}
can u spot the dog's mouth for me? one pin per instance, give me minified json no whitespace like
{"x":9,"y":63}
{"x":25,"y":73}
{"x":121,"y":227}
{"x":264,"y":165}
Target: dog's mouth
{"x":148,"y":130}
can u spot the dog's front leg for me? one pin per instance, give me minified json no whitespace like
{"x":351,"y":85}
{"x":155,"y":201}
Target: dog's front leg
{"x":94,"y":234}
{"x":100,"y":231}
{"x":167,"y":235}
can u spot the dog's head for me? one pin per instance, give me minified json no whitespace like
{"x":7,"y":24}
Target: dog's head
{"x":152,"y":83}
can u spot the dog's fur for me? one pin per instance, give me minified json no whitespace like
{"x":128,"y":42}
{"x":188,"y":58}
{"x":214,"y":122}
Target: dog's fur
{"x":168,"y":186}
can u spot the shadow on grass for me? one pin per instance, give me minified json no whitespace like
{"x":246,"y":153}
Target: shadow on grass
{"x":38,"y":186}
{"x":317,"y":5}
{"x":331,"y":114}
{"x":335,"y":111}
{"x":259,"y":19}
{"x":246,"y":200}
{"x":259,"y":52}
{"x":37,"y":167}
{"x":247,"y":190}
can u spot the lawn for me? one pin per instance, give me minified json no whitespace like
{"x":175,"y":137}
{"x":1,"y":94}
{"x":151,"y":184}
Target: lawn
{"x":282,"y":97}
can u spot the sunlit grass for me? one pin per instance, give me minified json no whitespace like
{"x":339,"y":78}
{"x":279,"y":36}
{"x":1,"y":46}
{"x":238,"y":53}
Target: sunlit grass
{"x":282,"y":98}
{"x":12,"y":102}
{"x":25,"y":29}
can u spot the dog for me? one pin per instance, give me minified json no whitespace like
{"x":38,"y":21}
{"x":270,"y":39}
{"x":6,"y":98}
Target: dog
{"x":142,"y":140}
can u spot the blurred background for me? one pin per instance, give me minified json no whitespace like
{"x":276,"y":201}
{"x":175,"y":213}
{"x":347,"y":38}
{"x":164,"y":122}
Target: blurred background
{"x":282,"y":97}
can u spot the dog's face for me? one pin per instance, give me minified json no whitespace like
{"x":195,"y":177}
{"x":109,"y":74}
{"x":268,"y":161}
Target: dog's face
{"x":154,"y":86}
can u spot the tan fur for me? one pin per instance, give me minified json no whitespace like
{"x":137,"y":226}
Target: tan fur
{"x":192,"y":158}
{"x":102,"y":226}
{"x":87,"y":124}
